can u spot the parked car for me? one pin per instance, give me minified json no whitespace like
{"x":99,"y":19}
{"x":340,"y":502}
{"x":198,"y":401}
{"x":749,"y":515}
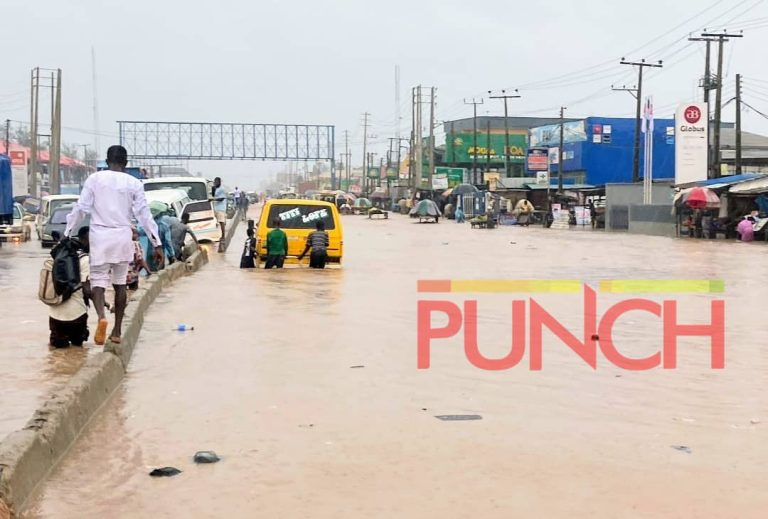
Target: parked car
{"x":49,"y":204}
{"x":56,"y":225}
{"x":202,"y":220}
{"x":18,"y":229}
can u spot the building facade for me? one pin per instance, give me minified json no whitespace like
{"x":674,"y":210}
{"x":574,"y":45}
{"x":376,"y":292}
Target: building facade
{"x":600,"y":150}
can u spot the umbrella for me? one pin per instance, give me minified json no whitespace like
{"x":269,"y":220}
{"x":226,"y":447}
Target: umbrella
{"x":465,"y":189}
{"x":701,"y":198}
{"x":363,"y":202}
{"x":426,"y":208}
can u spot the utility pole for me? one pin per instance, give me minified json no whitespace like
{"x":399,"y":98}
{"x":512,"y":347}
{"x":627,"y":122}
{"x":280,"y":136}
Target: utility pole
{"x":431,"y":136}
{"x":721,"y":39}
{"x":419,"y":138}
{"x":738,"y":124}
{"x":474,"y":104}
{"x":561,"y":152}
{"x":95,"y":103}
{"x":85,"y":157}
{"x":411,"y":149}
{"x":365,"y":146}
{"x":347,"y":157}
{"x":505,"y":97}
{"x":706,"y":84}
{"x":640,"y":65}
{"x":488,"y":145}
{"x":33,"y":120}
{"x":54,"y":153}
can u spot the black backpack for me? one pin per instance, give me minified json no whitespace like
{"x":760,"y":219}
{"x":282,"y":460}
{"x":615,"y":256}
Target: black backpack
{"x":66,"y":268}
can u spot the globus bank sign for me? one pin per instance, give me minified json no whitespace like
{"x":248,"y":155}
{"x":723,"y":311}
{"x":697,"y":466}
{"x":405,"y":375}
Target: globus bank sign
{"x":691,"y":129}
{"x":529,"y":319}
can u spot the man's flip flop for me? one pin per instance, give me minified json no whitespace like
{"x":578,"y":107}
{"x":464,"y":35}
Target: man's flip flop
{"x":115,"y":340}
{"x":100,"y":337}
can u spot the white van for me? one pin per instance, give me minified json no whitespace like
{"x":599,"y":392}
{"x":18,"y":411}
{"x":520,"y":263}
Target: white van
{"x":47,"y":206}
{"x":202,"y":220}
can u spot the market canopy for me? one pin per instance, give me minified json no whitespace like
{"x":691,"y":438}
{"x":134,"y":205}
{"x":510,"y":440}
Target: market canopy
{"x":751,"y":187}
{"x":426,"y":208}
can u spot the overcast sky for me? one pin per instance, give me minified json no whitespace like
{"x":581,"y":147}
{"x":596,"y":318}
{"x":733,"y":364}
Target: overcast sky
{"x":326,"y":62}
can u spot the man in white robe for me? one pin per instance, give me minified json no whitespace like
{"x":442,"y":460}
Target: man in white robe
{"x":112,"y":198}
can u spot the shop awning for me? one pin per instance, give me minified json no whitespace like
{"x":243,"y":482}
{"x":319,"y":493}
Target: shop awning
{"x":717,"y":183}
{"x":566,"y":187}
{"x":751,"y":187}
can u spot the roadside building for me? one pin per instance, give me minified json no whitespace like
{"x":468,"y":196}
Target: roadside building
{"x":600,"y":150}
{"x":486,"y":149}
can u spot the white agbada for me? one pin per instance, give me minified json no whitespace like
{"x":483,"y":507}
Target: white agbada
{"x":112,"y":198}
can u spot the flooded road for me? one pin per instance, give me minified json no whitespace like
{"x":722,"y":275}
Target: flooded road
{"x":29,"y":370}
{"x":305,"y":383}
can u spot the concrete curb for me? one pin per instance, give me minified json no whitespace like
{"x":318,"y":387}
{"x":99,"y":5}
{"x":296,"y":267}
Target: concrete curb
{"x":28,"y":455}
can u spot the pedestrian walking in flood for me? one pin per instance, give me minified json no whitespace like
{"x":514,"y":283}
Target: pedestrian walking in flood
{"x":249,"y":251}
{"x":277,"y":246}
{"x":68,"y":320}
{"x":113,"y":198}
{"x":220,"y":209}
{"x":318,"y":242}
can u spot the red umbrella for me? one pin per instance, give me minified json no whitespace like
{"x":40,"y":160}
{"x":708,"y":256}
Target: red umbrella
{"x":702,"y":198}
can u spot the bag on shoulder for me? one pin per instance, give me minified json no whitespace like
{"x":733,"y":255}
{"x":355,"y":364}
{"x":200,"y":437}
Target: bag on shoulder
{"x":60,"y":275}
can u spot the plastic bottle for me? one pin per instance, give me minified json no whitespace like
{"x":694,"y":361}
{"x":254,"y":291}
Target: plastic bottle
{"x":184,"y":328}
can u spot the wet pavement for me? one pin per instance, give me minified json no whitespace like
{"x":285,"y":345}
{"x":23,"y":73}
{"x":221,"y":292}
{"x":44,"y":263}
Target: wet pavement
{"x":305,"y":383}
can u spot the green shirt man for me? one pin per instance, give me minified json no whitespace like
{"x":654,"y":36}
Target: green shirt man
{"x":277,"y":246}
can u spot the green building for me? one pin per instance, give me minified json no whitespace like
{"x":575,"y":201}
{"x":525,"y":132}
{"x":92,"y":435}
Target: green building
{"x":485,"y":150}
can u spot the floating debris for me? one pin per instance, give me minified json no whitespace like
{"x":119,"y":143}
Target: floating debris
{"x":682,"y":448}
{"x":165,"y":472}
{"x":206,"y":457}
{"x":356,"y":367}
{"x":458,"y":417}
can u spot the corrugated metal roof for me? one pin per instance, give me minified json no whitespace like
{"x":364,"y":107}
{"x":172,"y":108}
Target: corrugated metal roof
{"x":715,"y":183}
{"x":566,"y":187}
{"x":758,"y":185}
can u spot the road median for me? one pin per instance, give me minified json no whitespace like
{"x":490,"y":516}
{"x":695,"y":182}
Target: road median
{"x":28,"y":455}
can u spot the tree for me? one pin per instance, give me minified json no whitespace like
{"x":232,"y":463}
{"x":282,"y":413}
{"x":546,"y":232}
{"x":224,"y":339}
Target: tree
{"x":22,"y":136}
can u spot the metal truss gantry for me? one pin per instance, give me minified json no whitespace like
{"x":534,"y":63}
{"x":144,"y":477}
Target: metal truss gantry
{"x":152,"y":140}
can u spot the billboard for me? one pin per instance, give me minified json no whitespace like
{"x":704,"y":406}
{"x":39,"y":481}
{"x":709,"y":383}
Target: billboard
{"x":546,"y":136}
{"x":538,"y":159}
{"x":691,"y":143}
{"x":440,"y":181}
{"x":19,"y":169}
{"x":460,"y":147}
{"x":455,"y":176}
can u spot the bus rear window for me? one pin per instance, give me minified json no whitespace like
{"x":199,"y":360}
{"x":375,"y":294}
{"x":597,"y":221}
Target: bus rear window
{"x":195,"y":190}
{"x":300,"y":216}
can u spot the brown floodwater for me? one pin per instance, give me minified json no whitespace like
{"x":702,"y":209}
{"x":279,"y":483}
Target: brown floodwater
{"x":29,"y":369}
{"x":266,"y":379}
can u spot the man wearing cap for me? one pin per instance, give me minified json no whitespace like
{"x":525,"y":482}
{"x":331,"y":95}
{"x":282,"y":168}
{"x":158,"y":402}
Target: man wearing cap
{"x":112,"y":198}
